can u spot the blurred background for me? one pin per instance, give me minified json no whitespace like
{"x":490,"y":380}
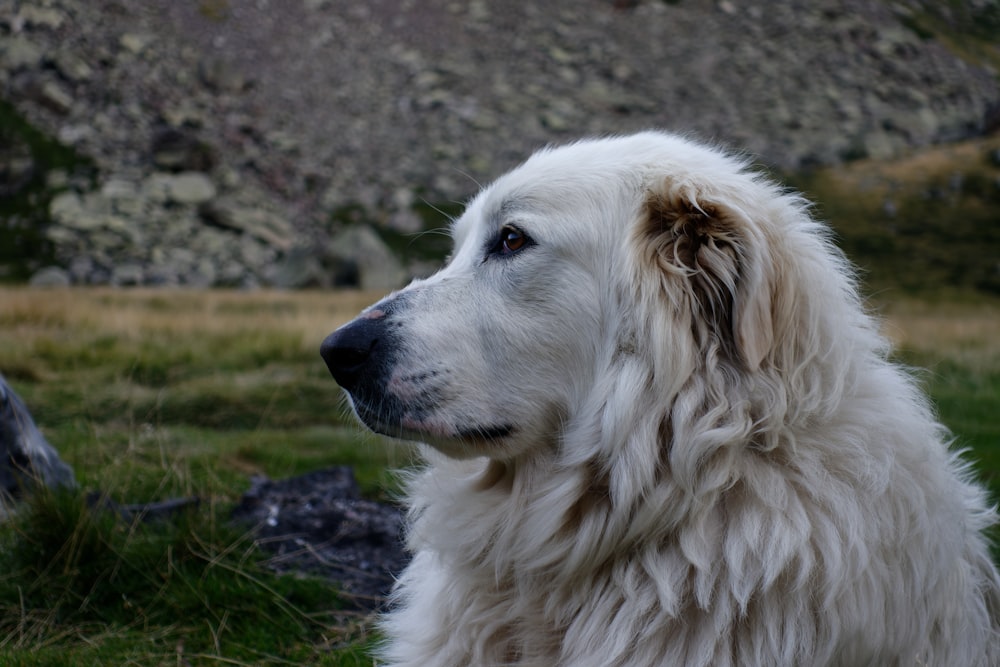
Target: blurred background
{"x":255,"y":172}
{"x":308,"y":142}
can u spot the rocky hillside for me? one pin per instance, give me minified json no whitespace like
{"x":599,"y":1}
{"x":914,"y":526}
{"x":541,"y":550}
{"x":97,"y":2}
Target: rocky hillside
{"x":243,"y":143}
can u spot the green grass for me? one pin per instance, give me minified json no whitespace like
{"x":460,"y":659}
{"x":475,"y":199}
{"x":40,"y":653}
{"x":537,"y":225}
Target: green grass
{"x":155,"y":395}
{"x":93,"y":589}
{"x":968,"y":400}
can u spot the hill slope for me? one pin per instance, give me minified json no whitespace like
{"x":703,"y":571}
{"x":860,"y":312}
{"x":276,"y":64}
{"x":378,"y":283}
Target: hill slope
{"x":289,"y":118}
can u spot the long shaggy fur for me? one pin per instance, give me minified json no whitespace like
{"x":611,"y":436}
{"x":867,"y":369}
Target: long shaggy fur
{"x":666,"y":432}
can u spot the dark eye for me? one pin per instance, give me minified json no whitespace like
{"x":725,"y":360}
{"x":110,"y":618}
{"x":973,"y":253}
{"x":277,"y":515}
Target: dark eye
{"x":509,"y":241}
{"x":512,"y":239}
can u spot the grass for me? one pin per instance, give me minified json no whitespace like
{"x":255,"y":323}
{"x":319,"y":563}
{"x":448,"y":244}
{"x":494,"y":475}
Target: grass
{"x":956,"y":348}
{"x":150,"y":395}
{"x":91,"y":589}
{"x":922,"y":224}
{"x":157,"y":394}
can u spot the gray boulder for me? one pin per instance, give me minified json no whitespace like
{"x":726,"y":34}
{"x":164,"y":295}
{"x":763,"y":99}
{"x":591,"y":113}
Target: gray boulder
{"x":51,"y":276}
{"x":376,"y":265}
{"x":230,"y":214}
{"x":26,"y":457}
{"x":189,"y":187}
{"x":19,"y":53}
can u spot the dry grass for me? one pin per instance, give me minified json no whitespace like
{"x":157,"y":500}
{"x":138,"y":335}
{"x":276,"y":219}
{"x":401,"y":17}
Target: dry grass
{"x":210,"y":379}
{"x":968,"y":334}
{"x":915,"y":169}
{"x":134,"y":313}
{"x":945,"y":328}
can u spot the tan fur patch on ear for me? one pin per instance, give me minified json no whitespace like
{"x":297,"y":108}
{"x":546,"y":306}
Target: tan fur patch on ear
{"x":706,"y":244}
{"x":697,"y":240}
{"x":677,"y":226}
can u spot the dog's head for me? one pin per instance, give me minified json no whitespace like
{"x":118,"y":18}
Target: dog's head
{"x":601,"y":271}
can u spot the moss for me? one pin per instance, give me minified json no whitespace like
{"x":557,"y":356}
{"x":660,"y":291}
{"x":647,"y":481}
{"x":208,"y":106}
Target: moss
{"x":24,"y":213}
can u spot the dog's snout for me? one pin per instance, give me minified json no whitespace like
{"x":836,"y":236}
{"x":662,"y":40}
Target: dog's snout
{"x":348,"y":350}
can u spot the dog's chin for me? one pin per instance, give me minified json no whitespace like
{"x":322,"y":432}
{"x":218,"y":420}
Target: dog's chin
{"x":466,"y":443}
{"x":460,"y":442}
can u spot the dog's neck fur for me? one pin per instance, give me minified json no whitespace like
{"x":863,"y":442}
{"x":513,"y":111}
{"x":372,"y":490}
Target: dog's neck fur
{"x":549,"y":517}
{"x":550,"y":526}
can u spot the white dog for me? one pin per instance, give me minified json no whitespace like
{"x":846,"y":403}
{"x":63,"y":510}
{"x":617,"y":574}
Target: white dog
{"x":666,"y":433}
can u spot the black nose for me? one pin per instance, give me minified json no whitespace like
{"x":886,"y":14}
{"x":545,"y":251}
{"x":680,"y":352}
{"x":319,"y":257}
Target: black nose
{"x":349,"y":350}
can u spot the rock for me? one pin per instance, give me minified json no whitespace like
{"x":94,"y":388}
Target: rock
{"x":180,"y":150}
{"x":290,"y":116}
{"x":555,"y":121}
{"x":405,"y":221}
{"x":118,"y":188}
{"x":127,"y":275}
{"x":41,"y":17}
{"x":300,"y":267}
{"x":156,"y":187}
{"x":80,"y":269}
{"x":318,"y":523}
{"x":183,"y":115}
{"x":55,"y":97}
{"x":134,"y":43}
{"x":50,"y":276}
{"x":377,"y":266}
{"x":89,"y":213}
{"x":283,"y":141}
{"x":26,"y":457}
{"x":65,"y":208}
{"x":199,"y":276}
{"x":72,"y":67}
{"x":190,"y":187}
{"x":19,"y":53}
{"x":259,"y":223}
{"x":221,"y":76}
{"x":56,"y":179}
{"x":74,"y":134}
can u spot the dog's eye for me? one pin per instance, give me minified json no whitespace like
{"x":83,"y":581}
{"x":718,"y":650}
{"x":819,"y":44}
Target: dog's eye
{"x":509,"y":241}
{"x":513,"y":239}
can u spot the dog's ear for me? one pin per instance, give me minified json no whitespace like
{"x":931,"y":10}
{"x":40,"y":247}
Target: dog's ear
{"x":713,"y":253}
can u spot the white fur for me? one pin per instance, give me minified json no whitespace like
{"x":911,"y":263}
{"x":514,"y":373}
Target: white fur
{"x":713,"y":461}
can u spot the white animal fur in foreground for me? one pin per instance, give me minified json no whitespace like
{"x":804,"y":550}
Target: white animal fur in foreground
{"x":664,"y":432}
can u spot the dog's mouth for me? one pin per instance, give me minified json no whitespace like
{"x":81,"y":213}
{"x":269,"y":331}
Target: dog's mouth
{"x":397,"y":422}
{"x":486,"y":433}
